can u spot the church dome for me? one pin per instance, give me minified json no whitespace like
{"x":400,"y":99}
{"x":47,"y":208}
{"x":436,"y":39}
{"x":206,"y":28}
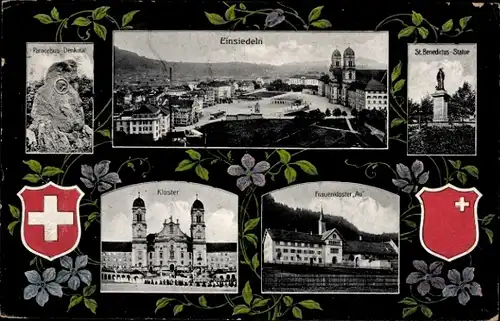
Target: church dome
{"x":138,"y":202}
{"x":197,"y":205}
{"x":349,"y":52}
{"x":336,"y":54}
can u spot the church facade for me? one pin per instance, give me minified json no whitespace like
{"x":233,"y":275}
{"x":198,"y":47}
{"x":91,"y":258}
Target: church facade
{"x":170,"y":249}
{"x":342,"y":75}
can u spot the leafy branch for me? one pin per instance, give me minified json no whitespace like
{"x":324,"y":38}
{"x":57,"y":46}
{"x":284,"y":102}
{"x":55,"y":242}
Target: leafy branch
{"x":87,"y":20}
{"x":89,"y":303}
{"x":461,"y":172}
{"x":40,"y":173}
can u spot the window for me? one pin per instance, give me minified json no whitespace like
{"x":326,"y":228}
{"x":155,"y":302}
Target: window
{"x":299,"y":251}
{"x":289,"y":243}
{"x":319,"y":252}
{"x":334,"y":251}
{"x":198,"y":218}
{"x":285,"y":250}
{"x":292,"y":251}
{"x":182,"y":255}
{"x":291,"y":258}
{"x":282,"y":243}
{"x":161,"y":254}
{"x":302,"y":244}
{"x":320,"y":260}
{"x":334,"y":236}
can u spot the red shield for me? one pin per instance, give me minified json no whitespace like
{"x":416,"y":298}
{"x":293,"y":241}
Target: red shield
{"x":449,"y":225}
{"x":50,"y":225}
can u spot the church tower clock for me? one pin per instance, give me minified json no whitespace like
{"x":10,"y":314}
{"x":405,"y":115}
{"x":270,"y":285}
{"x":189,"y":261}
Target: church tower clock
{"x":198,"y":234}
{"x":139,"y":233}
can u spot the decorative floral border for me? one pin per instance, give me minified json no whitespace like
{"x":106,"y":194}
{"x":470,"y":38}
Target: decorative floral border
{"x":73,"y":276}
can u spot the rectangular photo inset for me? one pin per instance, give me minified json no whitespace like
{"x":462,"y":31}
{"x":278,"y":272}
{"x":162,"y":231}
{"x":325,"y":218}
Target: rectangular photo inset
{"x":329,"y":238}
{"x":59,"y":98}
{"x":169,"y":237}
{"x":442,"y":99}
{"x":251,"y":89}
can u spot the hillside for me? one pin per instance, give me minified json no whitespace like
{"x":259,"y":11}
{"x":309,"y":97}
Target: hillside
{"x":304,"y":220}
{"x":129,"y":64}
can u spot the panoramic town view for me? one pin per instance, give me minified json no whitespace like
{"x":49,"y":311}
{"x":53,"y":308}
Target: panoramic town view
{"x":318,"y":90}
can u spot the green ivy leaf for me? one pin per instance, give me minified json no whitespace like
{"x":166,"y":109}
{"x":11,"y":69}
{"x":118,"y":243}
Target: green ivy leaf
{"x":462,"y":177}
{"x":310,"y":304}
{"x":255,"y":261}
{"x":489,"y":233}
{"x":229,"y":157}
{"x":472,"y":170}
{"x":93,"y":216}
{"x":447,"y":26}
{"x":242,"y":6}
{"x":259,"y":303}
{"x":406,"y":32}
{"x":247,"y":293}
{"x":74,"y":300}
{"x":410,"y":223}
{"x":32,"y":178}
{"x":396,"y":122}
{"x":252,"y":238}
{"x":315,"y":13}
{"x":49,"y":171}
{"x":81,"y":22}
{"x":456,"y":164}
{"x":307,"y":167}
{"x":423,"y":32}
{"x":409,"y":311}
{"x":100,"y":13}
{"x":416,"y":18}
{"x":202,"y":172}
{"x":251,"y":224}
{"x":105,"y":132}
{"x":202,"y":301}
{"x":163,"y":302}
{"x":43,"y":18}
{"x":486,"y":220}
{"x":127,"y":18}
{"x":408,"y":301}
{"x":14,"y":211}
{"x":193,"y":154}
{"x":284,"y":156}
{"x":297,"y":312}
{"x":241,"y":309}
{"x":290,"y":174}
{"x":34,"y":165}
{"x":214,"y":161}
{"x":398,"y":86}
{"x":89,"y":290}
{"x":91,"y":304}
{"x":396,"y":72}
{"x":215,"y":19}
{"x":426,"y":311}
{"x":185,"y":165}
{"x":12,"y":226}
{"x":463,"y":22}
{"x":86,"y":225}
{"x":178,"y":309}
{"x":287,"y":300}
{"x":321,"y":24}
{"x":230,"y":13}
{"x":131,"y":165}
{"x":33,"y":261}
{"x":54,"y":13}
{"x":100,"y":30}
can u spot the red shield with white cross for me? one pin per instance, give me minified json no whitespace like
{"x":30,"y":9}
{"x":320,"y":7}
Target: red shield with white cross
{"x":50,"y":224}
{"x":449,"y":225}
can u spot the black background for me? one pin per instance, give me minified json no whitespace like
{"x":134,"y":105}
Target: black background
{"x":19,"y":27}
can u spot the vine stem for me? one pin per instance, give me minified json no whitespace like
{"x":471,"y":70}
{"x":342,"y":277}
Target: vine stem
{"x":80,"y":155}
{"x":425,"y":302}
{"x":446,"y":168}
{"x":408,"y":210}
{"x":103,"y":109}
{"x":190,"y":303}
{"x":395,"y":17}
{"x":276,"y":302}
{"x":59,"y":30}
{"x":218,"y":157}
{"x":438,"y":170}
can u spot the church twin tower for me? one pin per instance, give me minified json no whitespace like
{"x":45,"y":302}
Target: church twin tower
{"x":170,"y":246}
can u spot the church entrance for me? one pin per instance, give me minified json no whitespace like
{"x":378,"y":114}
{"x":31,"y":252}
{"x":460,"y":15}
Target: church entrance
{"x":311,"y":260}
{"x":172,"y":268}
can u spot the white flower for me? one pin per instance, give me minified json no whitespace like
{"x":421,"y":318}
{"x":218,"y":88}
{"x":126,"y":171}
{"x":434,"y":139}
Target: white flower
{"x":250,"y":172}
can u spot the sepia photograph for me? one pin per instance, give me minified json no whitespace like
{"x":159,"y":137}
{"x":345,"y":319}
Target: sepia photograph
{"x":59,"y":98}
{"x":169,"y":236}
{"x":442,"y":101}
{"x":330,"y":237}
{"x":253,"y":89}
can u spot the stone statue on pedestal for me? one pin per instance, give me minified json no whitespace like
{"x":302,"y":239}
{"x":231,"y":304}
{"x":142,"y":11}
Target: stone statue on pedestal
{"x":440,"y":99}
{"x":440,"y":79}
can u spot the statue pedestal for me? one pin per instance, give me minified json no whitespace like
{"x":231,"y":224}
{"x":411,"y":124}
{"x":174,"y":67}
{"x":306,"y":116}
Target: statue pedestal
{"x":440,"y":103}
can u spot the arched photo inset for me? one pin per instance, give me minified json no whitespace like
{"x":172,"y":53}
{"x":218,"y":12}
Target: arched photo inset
{"x":330,"y":237}
{"x":169,"y":237}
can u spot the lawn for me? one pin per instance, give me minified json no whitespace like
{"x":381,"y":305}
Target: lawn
{"x":458,"y":140}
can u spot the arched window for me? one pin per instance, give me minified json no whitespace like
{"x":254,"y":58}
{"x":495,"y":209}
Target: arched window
{"x":350,"y":63}
{"x":337,"y":63}
{"x":350,"y":74}
{"x":198,"y":218}
{"x":171,"y":251}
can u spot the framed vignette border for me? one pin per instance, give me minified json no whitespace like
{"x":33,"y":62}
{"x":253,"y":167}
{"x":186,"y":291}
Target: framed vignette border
{"x":414,"y":28}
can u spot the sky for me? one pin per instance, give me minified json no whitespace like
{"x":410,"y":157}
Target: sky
{"x":422,"y":69}
{"x":221,"y":210}
{"x":277,"y":48}
{"x":376,"y":212}
{"x":38,"y":63}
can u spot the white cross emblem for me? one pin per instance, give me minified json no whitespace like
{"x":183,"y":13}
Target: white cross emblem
{"x":462,"y":204}
{"x":50,"y":218}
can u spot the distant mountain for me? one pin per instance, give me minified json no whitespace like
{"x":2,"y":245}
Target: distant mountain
{"x":128,"y":64}
{"x":281,"y":216}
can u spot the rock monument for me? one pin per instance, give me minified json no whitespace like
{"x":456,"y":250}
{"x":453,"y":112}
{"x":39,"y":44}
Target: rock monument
{"x":440,"y":99}
{"x":58,"y":118}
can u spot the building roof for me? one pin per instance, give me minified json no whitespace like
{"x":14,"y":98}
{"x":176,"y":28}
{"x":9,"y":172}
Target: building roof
{"x":348,"y":52}
{"x":336,"y":53}
{"x":292,"y":236}
{"x":357,"y":85}
{"x":138,"y":202}
{"x":363,"y":247}
{"x":197,"y":204}
{"x":116,"y":246}
{"x":218,"y":84}
{"x":374,"y":85}
{"x":221,"y":247}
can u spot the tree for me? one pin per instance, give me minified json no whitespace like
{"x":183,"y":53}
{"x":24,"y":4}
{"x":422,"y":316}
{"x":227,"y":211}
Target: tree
{"x":354,"y":112}
{"x":413,"y":107}
{"x":337,"y":112}
{"x":463,"y":102}
{"x":344,"y":113}
{"x":325,"y":78}
{"x":427,"y":105}
{"x":278,"y":85}
{"x":328,"y":112}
